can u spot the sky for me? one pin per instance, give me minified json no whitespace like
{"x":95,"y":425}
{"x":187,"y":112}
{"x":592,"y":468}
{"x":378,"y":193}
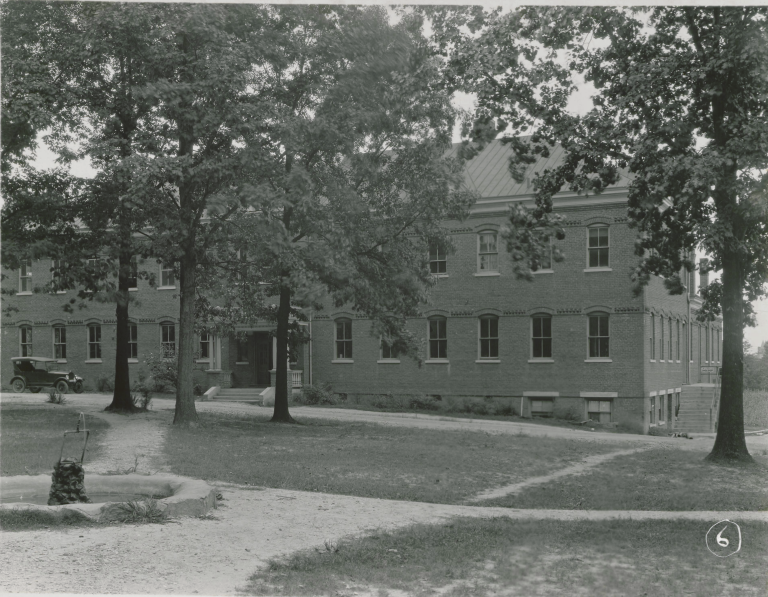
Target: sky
{"x":579,"y":103}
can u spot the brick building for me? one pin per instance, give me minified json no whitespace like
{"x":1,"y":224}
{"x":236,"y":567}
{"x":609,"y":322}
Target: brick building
{"x":574,"y":342}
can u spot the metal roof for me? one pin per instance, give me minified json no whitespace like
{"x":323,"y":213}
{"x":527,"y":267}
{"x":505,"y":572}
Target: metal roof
{"x":488,"y":172}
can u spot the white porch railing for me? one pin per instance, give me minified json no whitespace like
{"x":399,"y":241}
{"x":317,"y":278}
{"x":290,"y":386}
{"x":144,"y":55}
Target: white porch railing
{"x":296,"y":379}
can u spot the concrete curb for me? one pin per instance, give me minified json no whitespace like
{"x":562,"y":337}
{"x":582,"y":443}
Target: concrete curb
{"x":187,"y":497}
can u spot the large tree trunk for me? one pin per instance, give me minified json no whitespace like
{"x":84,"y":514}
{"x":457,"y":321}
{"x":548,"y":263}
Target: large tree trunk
{"x":186,"y":414}
{"x":281,"y":414}
{"x":730,"y":444}
{"x":121,"y":398}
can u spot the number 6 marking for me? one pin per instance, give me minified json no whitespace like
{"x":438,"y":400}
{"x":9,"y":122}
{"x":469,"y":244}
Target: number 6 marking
{"x":722,"y":541}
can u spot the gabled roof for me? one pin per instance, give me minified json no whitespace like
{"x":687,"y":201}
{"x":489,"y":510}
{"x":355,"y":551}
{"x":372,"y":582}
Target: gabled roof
{"x":488,"y":172}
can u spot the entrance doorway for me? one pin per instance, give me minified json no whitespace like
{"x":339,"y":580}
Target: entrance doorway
{"x":263,"y":358}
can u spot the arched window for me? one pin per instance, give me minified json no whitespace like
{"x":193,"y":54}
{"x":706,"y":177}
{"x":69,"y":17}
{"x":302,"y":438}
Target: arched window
{"x":598,"y":246}
{"x":59,"y":342}
{"x":25,"y":341}
{"x":599,"y":337}
{"x":652,"y":337}
{"x":438,"y":339}
{"x":489,"y":337}
{"x":343,"y":338}
{"x":94,"y":341}
{"x":541,"y":336}
{"x":487,"y":252}
{"x":168,"y":339}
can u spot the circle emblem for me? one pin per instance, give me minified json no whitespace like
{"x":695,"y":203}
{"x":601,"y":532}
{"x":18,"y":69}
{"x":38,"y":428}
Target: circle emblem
{"x":724,"y":538}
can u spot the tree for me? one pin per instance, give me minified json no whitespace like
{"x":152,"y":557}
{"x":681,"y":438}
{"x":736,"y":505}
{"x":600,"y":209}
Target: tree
{"x":351,"y":179}
{"x":681,"y":98}
{"x":91,"y":63}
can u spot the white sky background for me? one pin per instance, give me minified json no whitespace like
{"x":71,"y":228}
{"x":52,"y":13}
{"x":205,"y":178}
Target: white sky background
{"x":579,"y":103}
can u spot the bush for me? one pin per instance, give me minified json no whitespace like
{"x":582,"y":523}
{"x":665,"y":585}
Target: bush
{"x":505,"y":410}
{"x":142,"y":401}
{"x":164,"y":370}
{"x":382,"y":401}
{"x":105,"y":383}
{"x":312,"y":394}
{"x":423,"y":403}
{"x":55,"y":397}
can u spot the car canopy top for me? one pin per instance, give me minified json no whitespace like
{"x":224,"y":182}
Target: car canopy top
{"x":34,"y":359}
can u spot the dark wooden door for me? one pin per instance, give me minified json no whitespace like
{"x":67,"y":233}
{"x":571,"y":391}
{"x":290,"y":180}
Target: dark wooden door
{"x":263,"y":358}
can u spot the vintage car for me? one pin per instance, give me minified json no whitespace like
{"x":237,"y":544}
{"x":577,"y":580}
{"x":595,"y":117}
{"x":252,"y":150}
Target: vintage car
{"x":39,"y":372}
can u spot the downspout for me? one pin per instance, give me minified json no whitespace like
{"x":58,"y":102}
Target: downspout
{"x":311,"y":379}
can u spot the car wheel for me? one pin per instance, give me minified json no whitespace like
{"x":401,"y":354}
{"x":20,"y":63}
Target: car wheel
{"x":62,"y":387}
{"x":18,"y":385}
{"x":78,"y":387}
{"x":35,"y":390}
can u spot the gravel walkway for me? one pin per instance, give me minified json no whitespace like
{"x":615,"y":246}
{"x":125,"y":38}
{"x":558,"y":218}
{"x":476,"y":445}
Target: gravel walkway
{"x":216,"y":555}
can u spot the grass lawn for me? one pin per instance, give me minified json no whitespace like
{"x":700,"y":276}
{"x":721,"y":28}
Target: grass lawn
{"x":364,"y":459}
{"x":31,"y":436}
{"x":756,"y":409}
{"x":659,"y":479}
{"x":471,"y":557}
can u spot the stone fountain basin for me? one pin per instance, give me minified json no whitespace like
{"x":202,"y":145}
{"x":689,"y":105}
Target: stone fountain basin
{"x":186,"y":497}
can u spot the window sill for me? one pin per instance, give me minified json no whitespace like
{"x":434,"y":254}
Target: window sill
{"x":439,"y":275}
{"x":90,"y":361}
{"x":241,"y":362}
{"x":166,"y":288}
{"x":343,"y":361}
{"x":436,"y":362}
{"x":492,"y":361}
{"x":133,"y":360}
{"x":202,"y":360}
{"x":541,"y":360}
{"x":486,"y":274}
{"x":61,"y":361}
{"x":61,"y":292}
{"x":543,"y":271}
{"x":598,"y":269}
{"x":25,"y":293}
{"x":133,"y":290}
{"x":213,"y":370}
{"x":388,"y":361}
{"x":599,"y":360}
{"x":652,"y":361}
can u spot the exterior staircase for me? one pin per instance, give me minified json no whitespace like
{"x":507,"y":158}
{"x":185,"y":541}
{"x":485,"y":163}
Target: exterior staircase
{"x":247,"y":395}
{"x":696,"y":409}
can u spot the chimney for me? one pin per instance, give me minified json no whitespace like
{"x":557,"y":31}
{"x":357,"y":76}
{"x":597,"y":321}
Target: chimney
{"x":703,"y":273}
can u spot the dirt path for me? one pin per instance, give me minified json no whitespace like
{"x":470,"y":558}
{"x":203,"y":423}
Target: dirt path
{"x":580,"y":468}
{"x":216,"y":555}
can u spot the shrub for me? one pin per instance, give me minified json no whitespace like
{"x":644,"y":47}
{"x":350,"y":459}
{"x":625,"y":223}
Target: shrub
{"x":147,"y":511}
{"x":164,"y":370}
{"x":142,"y":401}
{"x":423,"y":403}
{"x":55,"y":397}
{"x":312,"y":394}
{"x":105,"y":383}
{"x":505,"y":409}
{"x":197,"y":390}
{"x":382,"y":401}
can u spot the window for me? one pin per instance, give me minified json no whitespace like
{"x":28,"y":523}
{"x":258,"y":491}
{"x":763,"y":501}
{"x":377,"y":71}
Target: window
{"x":59,"y":342}
{"x":542,"y":407}
{"x":599,"y":410}
{"x":25,"y":340}
{"x":652,"y":337}
{"x":437,"y":262}
{"x":25,"y":277}
{"x":662,"y":400}
{"x":685,"y":338}
{"x":387,"y":351}
{"x":669,"y":342}
{"x":717,"y":345}
{"x":344,"y":339}
{"x":56,"y":266}
{"x":489,"y":337}
{"x":661,"y":340}
{"x":205,"y":346}
{"x":698,"y":328}
{"x":94,"y":341}
{"x":598,"y":336}
{"x":242,"y":266}
{"x":133,"y":341}
{"x":652,"y":411}
{"x":168,"y":339}
{"x":438,"y":340}
{"x":598,"y":246}
{"x":488,"y":254}
{"x":242,"y":350}
{"x":167,"y":280}
{"x":677,"y":328}
{"x":541,"y":337}
{"x":546,"y":258}
{"x":133,"y":274}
